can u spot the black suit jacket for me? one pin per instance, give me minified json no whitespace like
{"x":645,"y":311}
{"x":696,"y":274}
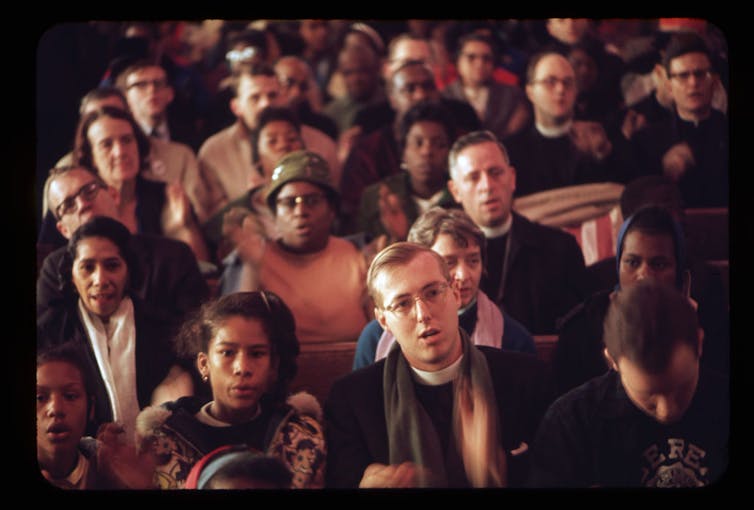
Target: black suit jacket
{"x":545,"y":276}
{"x":546,"y":163}
{"x":355,"y":415}
{"x":707,"y":182}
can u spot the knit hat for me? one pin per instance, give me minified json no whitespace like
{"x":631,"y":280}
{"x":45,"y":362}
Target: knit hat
{"x":300,"y":165}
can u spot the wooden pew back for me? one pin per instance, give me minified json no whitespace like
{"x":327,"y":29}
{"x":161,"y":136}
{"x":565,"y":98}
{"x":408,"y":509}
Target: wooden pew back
{"x":320,"y":364}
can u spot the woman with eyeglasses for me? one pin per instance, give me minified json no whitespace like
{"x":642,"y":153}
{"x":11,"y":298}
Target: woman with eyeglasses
{"x":320,"y":276}
{"x":126,"y":343}
{"x":245,"y":349}
{"x":110,"y":141}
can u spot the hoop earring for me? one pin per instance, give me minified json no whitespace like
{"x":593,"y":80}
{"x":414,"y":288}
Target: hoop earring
{"x":266,"y":303}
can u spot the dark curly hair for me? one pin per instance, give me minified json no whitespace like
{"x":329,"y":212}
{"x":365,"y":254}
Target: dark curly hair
{"x":277,"y":320}
{"x":427,"y":111}
{"x":272,"y":114}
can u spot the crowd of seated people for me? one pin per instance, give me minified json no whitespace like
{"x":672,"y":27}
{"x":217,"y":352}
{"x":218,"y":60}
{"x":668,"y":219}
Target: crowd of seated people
{"x":286,"y":254}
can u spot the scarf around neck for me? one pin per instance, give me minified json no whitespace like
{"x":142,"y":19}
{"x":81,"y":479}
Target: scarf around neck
{"x":412,"y":435}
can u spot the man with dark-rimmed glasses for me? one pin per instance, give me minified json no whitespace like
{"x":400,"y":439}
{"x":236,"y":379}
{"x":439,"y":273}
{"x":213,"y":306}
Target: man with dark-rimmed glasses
{"x":438,"y":411}
{"x":169,"y":278}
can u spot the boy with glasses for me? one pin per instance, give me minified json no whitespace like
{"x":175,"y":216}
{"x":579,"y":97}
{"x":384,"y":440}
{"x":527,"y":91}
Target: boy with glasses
{"x":149,"y":94}
{"x":438,"y":411}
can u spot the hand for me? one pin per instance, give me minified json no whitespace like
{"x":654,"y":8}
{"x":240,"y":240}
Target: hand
{"x":394,"y":476}
{"x":591,"y":139}
{"x":118,"y":460}
{"x":392,"y":217}
{"x":250,"y":242}
{"x":346,"y":141}
{"x":632,"y":122}
{"x":233,"y":221}
{"x":178,"y":214}
{"x":483,"y":458}
{"x":677,"y":160}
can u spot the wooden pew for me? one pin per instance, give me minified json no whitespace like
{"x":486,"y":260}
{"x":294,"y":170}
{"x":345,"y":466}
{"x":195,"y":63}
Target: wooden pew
{"x":545,"y":345}
{"x":320,"y":364}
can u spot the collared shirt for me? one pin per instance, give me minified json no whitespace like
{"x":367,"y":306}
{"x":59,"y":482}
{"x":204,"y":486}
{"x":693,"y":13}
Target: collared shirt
{"x":76,"y":479}
{"x":160,"y":131}
{"x":440,"y":377}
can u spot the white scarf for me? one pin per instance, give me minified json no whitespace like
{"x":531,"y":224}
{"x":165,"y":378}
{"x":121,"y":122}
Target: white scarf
{"x":115,"y":350}
{"x":488,"y":330}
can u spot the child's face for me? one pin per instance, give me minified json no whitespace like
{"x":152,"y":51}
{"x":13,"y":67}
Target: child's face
{"x":240,"y":368}
{"x":61,"y":408}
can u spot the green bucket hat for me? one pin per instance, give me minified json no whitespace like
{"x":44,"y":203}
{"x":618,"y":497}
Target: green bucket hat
{"x":300,"y":166}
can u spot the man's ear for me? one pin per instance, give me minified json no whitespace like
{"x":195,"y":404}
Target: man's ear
{"x":610,"y":361}
{"x":529,"y":92}
{"x":513,"y":177}
{"x":380,"y":316}
{"x":63,"y":229}
{"x":234,"y":107}
{"x":453,"y":190}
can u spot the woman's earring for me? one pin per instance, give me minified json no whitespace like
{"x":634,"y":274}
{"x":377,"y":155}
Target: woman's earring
{"x":205,"y":378}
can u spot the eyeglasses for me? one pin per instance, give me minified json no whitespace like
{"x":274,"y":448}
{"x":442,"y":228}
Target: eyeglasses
{"x":309,"y":200}
{"x":432,"y":294}
{"x":87,"y":191}
{"x":551,"y":81}
{"x":143,"y":85}
{"x":699,"y":74}
{"x":245,"y":54}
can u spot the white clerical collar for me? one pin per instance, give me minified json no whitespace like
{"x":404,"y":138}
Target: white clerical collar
{"x":554,"y":132}
{"x":439,"y":377}
{"x":492,"y":232}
